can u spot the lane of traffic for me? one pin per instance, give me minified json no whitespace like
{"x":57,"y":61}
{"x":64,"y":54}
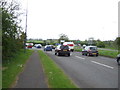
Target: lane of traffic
{"x":100,"y":59}
{"x":83,"y":72}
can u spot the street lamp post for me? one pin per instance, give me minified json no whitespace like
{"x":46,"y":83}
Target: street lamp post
{"x":25,"y":39}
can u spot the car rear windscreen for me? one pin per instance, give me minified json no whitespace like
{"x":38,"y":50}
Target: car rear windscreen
{"x":64,"y":47}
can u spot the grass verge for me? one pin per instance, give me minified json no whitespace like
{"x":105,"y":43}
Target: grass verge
{"x":56,"y":77}
{"x":11,"y":69}
{"x":107,"y":53}
{"x":78,"y":50}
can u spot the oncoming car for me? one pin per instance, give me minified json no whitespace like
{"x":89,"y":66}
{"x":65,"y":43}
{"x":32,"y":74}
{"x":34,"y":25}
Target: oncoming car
{"x":62,"y":50}
{"x":38,"y":45}
{"x":90,"y":50}
{"x":48,"y":48}
{"x":29,"y":46}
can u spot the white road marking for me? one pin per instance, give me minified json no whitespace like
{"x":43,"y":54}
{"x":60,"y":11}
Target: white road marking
{"x":79,"y":57}
{"x":102,"y":64}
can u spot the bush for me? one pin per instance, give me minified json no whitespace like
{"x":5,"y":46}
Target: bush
{"x":101,"y":44}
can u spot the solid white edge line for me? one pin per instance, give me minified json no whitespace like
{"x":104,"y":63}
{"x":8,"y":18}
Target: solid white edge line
{"x":102,"y":64}
{"x":79,"y":57}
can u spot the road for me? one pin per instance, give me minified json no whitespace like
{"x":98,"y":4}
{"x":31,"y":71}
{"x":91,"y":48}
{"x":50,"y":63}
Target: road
{"x":88,"y":71}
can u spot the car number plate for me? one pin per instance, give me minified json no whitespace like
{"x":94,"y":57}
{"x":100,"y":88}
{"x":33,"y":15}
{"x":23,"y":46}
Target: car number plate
{"x":94,"y":53}
{"x":64,"y":50}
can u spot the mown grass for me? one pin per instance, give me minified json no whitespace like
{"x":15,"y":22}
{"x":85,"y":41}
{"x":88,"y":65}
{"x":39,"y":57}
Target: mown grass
{"x":78,"y":48}
{"x":11,"y":69}
{"x":55,"y":76}
{"x":35,"y":41}
{"x":107,"y":53}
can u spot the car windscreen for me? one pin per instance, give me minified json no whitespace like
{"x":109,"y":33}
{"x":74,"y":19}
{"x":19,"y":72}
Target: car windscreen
{"x":48,"y":47}
{"x":64,"y":47}
{"x":93,"y":48}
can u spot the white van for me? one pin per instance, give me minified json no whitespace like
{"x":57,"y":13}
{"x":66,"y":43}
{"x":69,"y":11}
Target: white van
{"x":70,"y":44}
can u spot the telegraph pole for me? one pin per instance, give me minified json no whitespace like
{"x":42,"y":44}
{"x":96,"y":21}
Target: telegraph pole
{"x":25,"y":39}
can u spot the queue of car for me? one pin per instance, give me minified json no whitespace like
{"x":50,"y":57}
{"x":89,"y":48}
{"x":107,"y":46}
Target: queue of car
{"x":67,"y":47}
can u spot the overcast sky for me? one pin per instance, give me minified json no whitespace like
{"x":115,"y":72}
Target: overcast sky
{"x":78,"y":19}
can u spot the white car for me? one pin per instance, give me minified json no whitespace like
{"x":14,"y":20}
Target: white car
{"x":70,"y":44}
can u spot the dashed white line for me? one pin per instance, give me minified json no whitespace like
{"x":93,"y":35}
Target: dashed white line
{"x":79,"y":57}
{"x":102,"y":64}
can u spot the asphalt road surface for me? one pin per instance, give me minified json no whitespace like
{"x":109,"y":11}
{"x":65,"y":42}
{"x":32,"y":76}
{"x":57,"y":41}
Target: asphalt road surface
{"x":88,"y":71}
{"x":32,"y":75}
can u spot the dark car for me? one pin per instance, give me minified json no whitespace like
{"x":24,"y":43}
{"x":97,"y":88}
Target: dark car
{"x":90,"y":51}
{"x":53,"y":47}
{"x":48,"y":48}
{"x":118,"y":59}
{"x":62,"y":50}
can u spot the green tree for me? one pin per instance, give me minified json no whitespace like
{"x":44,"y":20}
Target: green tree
{"x":63,"y":37}
{"x":11,"y":31}
{"x":100,"y":44}
{"x":118,"y":43}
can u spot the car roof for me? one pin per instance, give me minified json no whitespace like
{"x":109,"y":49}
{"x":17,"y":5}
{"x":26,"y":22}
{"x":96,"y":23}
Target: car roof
{"x":91,"y":46}
{"x":68,"y":43}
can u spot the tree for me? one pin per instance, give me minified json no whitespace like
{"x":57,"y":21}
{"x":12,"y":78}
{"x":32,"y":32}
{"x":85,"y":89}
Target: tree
{"x":100,"y":44}
{"x":118,"y":43}
{"x":11,"y":31}
{"x":63,"y":37}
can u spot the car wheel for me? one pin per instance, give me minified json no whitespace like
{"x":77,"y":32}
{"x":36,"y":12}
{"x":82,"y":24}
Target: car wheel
{"x":89,"y":54}
{"x":68,"y":54}
{"x":58,"y":54}
{"x":55,"y":53}
{"x":72,"y":50}
{"x":118,"y":61}
{"x":96,"y":55}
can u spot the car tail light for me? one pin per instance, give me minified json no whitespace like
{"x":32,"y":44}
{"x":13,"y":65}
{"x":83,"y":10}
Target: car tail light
{"x":70,"y":44}
{"x":89,"y":50}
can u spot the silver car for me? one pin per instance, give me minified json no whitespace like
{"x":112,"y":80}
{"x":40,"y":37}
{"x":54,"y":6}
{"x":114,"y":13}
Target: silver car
{"x":90,"y":51}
